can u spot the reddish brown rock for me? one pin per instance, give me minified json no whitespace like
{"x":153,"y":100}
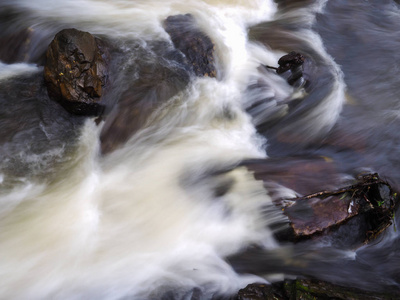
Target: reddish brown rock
{"x":194,"y":44}
{"x":371,"y":200}
{"x":76,"y":71}
{"x":314,"y":215}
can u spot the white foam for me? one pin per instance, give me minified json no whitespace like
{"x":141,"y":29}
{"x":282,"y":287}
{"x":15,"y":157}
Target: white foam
{"x":11,"y":70}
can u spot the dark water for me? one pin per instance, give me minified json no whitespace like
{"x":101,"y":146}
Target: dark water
{"x":352,"y":51}
{"x":363,"y":41}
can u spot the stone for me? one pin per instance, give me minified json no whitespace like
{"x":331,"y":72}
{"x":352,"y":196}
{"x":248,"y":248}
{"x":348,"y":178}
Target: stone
{"x":350,"y":216}
{"x":366,"y":207}
{"x":156,"y":84}
{"x":290,"y":61}
{"x":259,"y":291}
{"x":290,"y":67}
{"x":194,"y":44}
{"x":76,"y":71}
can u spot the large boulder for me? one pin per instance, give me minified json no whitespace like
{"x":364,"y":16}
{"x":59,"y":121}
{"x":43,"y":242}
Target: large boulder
{"x":76,"y":71}
{"x":194,"y":44}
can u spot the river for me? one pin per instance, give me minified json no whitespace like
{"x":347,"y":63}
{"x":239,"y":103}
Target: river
{"x":149,"y":220}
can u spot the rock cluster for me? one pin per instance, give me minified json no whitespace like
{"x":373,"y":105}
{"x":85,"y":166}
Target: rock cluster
{"x":77,"y":70}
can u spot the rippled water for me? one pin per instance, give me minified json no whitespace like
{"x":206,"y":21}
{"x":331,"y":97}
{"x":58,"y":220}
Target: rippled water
{"x":174,"y":211}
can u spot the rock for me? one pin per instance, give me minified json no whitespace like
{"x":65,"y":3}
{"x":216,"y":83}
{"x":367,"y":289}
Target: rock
{"x":371,"y":200}
{"x":157,"y":76}
{"x":259,"y":291}
{"x":194,"y":44}
{"x":350,"y":216}
{"x":76,"y":71}
{"x":290,"y":67}
{"x":156,"y":84}
{"x":308,"y":289}
{"x":290,"y":61}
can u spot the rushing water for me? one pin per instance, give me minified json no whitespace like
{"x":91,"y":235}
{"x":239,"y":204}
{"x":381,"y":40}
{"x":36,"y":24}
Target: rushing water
{"x":150,"y":219}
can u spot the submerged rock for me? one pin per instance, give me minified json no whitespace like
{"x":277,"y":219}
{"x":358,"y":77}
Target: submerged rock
{"x":154,"y":85}
{"x":76,"y":71}
{"x":194,"y":44}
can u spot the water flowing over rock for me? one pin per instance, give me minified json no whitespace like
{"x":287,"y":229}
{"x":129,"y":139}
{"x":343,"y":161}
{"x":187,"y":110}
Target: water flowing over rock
{"x":76,"y":71}
{"x":154,"y":86}
{"x":159,"y":78}
{"x":16,"y":45}
{"x":194,"y":44}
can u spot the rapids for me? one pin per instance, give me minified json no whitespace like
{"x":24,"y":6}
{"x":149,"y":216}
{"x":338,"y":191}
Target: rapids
{"x":149,"y":220}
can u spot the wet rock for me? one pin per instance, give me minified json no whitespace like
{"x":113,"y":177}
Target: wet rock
{"x":291,"y":67}
{"x":370,"y":203}
{"x":308,"y":289}
{"x":194,"y":44}
{"x":156,"y":83}
{"x":76,"y":71}
{"x":349,"y":216}
{"x":290,"y":61}
{"x":258,"y":291}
